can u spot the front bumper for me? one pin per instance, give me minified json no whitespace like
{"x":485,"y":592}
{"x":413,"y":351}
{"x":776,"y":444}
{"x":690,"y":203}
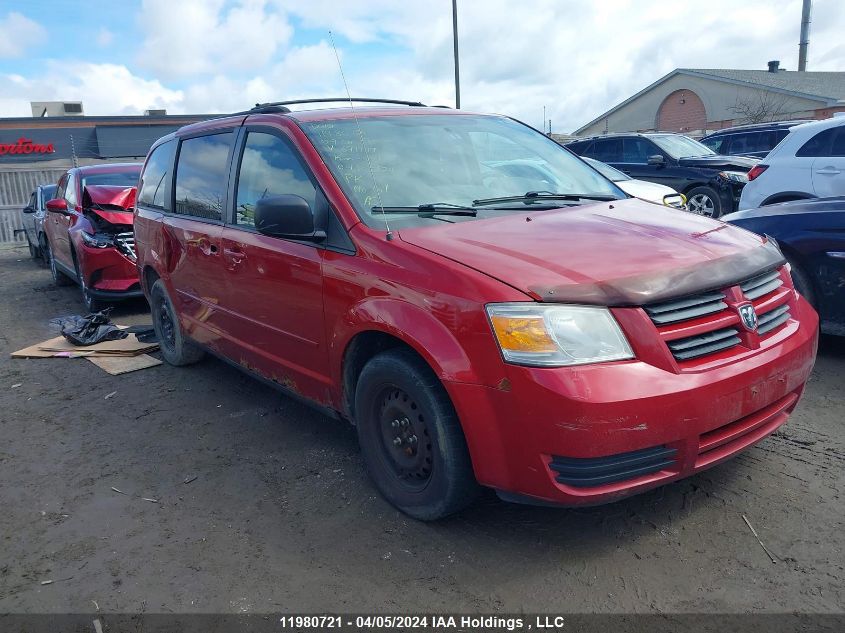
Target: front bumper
{"x":521,"y":432}
{"x":108,"y":274}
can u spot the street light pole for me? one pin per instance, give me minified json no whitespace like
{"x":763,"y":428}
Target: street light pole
{"x":457,"y":67}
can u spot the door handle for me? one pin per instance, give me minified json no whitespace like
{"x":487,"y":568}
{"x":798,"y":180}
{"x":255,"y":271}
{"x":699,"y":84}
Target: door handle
{"x":829,"y":171}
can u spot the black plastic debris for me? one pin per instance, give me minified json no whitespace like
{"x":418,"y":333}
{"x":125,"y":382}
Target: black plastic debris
{"x":90,"y":329}
{"x":144,"y":333}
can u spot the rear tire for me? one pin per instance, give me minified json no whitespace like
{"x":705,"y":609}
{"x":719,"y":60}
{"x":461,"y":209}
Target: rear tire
{"x":175,"y":347}
{"x":59,"y":278}
{"x":411,"y":439}
{"x":704,"y":201}
{"x":34,"y":253}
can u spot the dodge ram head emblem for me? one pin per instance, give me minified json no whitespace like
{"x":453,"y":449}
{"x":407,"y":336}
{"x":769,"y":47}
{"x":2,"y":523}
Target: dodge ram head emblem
{"x":748,"y":316}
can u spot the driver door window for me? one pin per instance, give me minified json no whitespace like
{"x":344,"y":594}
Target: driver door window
{"x":269,"y":167}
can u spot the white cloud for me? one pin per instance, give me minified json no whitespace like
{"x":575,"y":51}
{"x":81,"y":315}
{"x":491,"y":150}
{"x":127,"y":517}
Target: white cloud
{"x":18,"y":33}
{"x":103,"y":88}
{"x":575,"y":58}
{"x":193,"y":37}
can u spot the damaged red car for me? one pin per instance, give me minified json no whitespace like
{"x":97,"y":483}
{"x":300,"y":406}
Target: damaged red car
{"x":485,"y":307}
{"x":89,"y":236}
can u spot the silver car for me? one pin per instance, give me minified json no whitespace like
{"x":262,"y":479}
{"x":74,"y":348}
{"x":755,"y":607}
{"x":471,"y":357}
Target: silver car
{"x":32,"y":218}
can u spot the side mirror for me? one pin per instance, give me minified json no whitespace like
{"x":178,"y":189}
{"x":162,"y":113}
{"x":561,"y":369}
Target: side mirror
{"x":28,"y":210}
{"x":287,"y":216}
{"x":58,"y":205}
{"x":657,"y":159}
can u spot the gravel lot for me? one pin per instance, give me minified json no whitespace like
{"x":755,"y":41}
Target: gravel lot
{"x":281,"y":516}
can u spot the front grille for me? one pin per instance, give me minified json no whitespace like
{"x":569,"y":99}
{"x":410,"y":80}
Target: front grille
{"x":686,"y":308}
{"x":595,"y":471}
{"x":772,"y":319}
{"x":125,"y":243}
{"x":704,"y":344}
{"x":761,"y":285}
{"x":700,"y":325}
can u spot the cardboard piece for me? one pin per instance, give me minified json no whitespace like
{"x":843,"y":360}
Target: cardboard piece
{"x":117,"y":365}
{"x":62,"y":348}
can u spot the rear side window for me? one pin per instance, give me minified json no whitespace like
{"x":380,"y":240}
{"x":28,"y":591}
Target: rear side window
{"x":202,"y":175}
{"x":608,"y":150}
{"x":155,"y":181}
{"x":819,"y":145}
{"x":269,"y":167}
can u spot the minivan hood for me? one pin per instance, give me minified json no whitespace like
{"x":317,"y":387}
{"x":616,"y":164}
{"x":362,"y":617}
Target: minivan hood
{"x":627,"y":252}
{"x":736,"y":163}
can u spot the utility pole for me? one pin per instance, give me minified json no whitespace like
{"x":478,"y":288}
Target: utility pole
{"x":457,"y":67}
{"x":805,"y":34}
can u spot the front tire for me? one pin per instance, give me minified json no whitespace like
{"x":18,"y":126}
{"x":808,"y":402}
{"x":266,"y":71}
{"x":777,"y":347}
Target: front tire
{"x":802,"y":283}
{"x":411,"y":439}
{"x":59,"y":278}
{"x":175,"y":347}
{"x":704,"y":201}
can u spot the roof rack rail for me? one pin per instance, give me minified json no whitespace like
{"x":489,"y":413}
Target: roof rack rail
{"x":265,"y":107}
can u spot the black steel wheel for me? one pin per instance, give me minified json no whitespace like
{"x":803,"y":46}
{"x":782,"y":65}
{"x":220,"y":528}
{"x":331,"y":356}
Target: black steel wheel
{"x":411,"y":439}
{"x":175,"y":347}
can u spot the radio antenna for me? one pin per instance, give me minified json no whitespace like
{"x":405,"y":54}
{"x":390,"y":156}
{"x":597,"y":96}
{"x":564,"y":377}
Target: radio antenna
{"x":376,"y":190}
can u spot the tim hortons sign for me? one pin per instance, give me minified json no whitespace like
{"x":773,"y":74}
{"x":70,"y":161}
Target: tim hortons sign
{"x":26,"y":146}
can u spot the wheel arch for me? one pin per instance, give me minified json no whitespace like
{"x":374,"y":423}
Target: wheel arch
{"x":786,"y":196}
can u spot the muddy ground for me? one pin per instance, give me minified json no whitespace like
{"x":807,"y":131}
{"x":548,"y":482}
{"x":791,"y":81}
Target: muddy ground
{"x":281,"y":517}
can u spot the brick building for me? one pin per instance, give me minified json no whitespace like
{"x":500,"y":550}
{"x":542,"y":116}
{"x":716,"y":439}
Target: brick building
{"x":695,"y":101}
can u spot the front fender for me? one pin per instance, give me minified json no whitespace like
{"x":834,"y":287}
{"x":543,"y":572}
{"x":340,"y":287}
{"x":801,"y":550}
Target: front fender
{"x":421,"y":330}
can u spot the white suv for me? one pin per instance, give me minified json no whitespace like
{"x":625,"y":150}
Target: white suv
{"x":808,"y":163}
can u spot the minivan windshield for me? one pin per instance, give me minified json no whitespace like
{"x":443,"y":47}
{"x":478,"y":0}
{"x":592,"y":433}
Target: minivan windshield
{"x":450,"y":160}
{"x":611,"y":173}
{"x":678,"y":146}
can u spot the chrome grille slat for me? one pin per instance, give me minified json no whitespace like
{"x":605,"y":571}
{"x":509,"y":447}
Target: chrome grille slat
{"x":126,"y":244}
{"x":761,"y":285}
{"x":694,"y":341}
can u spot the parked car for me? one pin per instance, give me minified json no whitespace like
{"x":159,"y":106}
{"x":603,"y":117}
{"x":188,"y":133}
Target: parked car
{"x":754,"y":140}
{"x":808,"y":163}
{"x":32,"y":218}
{"x":557,"y":342}
{"x":710,"y":182}
{"x":88,"y":230}
{"x":642,"y":189}
{"x":811,"y":234}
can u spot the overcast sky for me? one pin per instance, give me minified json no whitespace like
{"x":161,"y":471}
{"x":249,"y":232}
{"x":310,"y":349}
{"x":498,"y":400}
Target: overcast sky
{"x":576,"y":58}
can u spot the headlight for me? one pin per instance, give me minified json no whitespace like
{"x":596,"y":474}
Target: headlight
{"x":97,"y":240}
{"x":557,"y":335}
{"x":735,"y":176}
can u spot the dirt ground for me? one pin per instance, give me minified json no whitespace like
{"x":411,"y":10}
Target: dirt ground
{"x":281,"y":517}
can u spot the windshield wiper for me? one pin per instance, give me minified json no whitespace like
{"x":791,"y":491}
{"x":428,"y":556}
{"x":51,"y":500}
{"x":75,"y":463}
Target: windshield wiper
{"x":534,"y":196}
{"x":428,"y":210}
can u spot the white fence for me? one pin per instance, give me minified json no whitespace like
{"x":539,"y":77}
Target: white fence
{"x":16,"y":186}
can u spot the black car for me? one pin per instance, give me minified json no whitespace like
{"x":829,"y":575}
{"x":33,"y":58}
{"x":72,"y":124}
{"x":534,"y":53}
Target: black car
{"x":811,"y":234}
{"x":755,"y":140}
{"x":32,"y":218}
{"x":712,"y":183}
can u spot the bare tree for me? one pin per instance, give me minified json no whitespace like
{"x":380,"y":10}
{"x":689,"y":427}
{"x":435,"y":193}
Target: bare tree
{"x":761,"y":107}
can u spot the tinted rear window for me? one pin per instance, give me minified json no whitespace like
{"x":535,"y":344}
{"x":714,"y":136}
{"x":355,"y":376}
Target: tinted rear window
{"x":202,"y":175}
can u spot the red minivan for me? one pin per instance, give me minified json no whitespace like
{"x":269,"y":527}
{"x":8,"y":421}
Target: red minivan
{"x":486,"y":308}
